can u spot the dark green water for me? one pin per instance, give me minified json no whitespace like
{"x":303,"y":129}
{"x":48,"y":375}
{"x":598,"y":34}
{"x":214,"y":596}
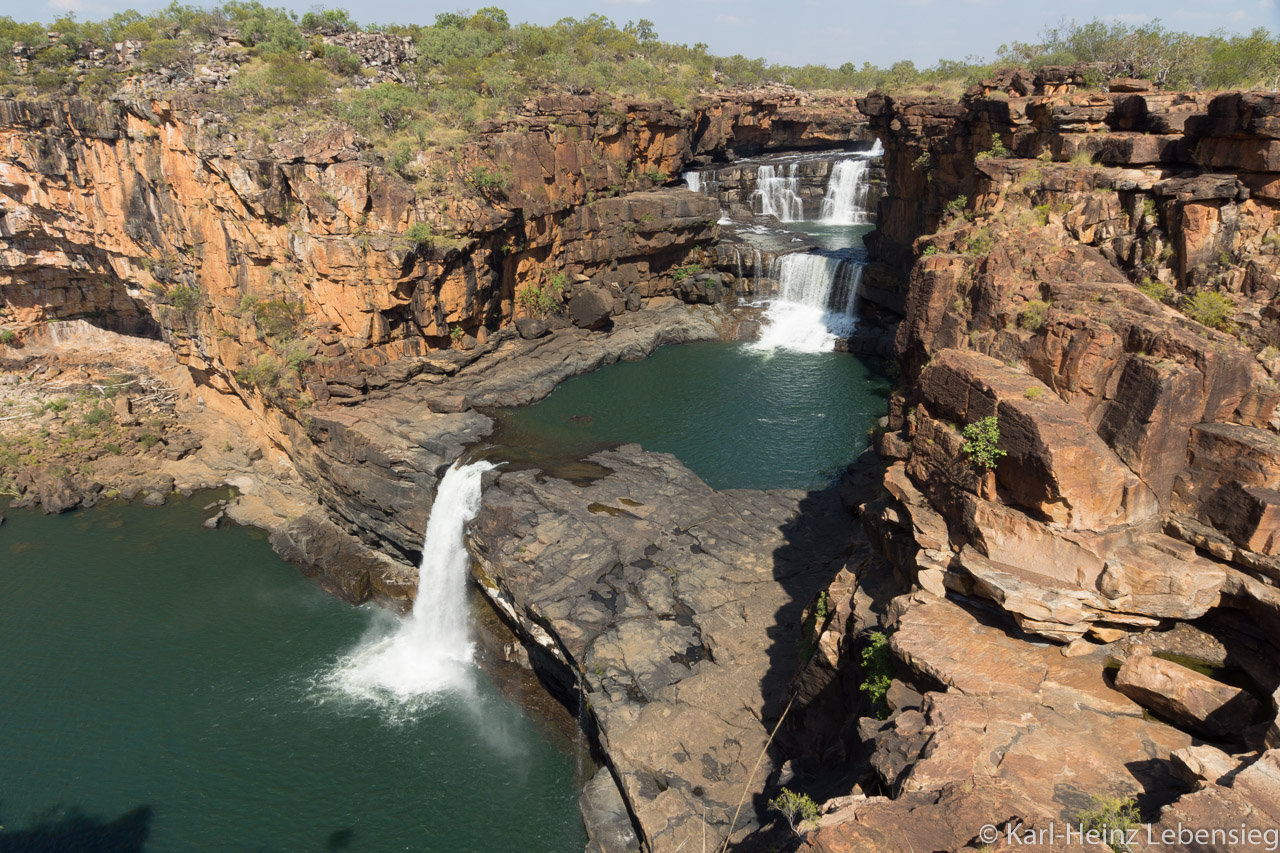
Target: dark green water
{"x":832,"y":237}
{"x":738,"y":417}
{"x":162,"y":683}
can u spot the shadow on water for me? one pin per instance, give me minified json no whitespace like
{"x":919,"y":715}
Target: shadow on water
{"x":340,"y":839}
{"x":69,"y":830}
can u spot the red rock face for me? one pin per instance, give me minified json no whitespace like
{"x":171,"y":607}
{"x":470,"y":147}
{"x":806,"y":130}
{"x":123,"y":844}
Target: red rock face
{"x":1141,"y":483}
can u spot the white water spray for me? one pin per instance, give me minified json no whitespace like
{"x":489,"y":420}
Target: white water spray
{"x":845,"y":202}
{"x":693,"y":180}
{"x":779,"y":195}
{"x":431,"y":650}
{"x":816,"y":304}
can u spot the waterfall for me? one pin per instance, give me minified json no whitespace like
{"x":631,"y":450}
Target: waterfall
{"x":431,"y":650}
{"x":693,"y":180}
{"x":845,"y":202}
{"x":779,"y":196}
{"x":816,"y":304}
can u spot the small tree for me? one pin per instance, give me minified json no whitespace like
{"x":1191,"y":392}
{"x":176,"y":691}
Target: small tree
{"x":981,"y":443}
{"x":798,"y":809}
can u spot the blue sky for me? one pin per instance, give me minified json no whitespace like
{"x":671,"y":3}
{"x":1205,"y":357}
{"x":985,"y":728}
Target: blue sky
{"x":794,"y":31}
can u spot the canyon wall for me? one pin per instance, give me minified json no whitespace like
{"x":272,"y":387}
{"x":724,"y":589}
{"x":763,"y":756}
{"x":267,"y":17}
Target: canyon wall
{"x":1097,"y":272}
{"x":305,"y":278}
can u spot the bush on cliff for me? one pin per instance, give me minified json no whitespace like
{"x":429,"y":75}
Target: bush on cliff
{"x":981,"y":443}
{"x":877,"y":671}
{"x":797,"y":809}
{"x":1209,"y":308}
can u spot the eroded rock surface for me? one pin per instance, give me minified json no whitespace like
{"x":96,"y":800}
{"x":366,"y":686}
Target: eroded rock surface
{"x":676,"y":609}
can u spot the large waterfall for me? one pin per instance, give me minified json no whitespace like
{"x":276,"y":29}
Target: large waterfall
{"x":430,"y":651}
{"x":816,"y":304}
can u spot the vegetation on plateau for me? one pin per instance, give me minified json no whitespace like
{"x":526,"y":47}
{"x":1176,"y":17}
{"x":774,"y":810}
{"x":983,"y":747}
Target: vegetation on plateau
{"x":475,"y":66}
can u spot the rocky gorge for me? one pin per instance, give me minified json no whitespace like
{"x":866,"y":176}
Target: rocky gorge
{"x":1033,"y":245}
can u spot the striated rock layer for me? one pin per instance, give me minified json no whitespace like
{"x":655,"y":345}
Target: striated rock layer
{"x":1055,"y":259}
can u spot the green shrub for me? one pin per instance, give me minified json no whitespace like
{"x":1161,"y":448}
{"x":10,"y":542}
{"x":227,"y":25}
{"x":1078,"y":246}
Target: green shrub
{"x":1112,"y":819}
{"x":877,"y":671}
{"x":265,"y":374}
{"x":797,"y":809}
{"x":1035,"y":315}
{"x":1209,"y":308}
{"x":1154,"y":288}
{"x":1035,"y":392}
{"x":686,"y":271}
{"x":166,"y":53}
{"x":419,"y":233}
{"x":956,"y":206}
{"x":148,"y":440}
{"x":184,"y":298}
{"x":98,"y":415}
{"x":277,"y":318}
{"x":981,"y":443}
{"x":490,"y":183}
{"x":455,"y":334}
{"x":980,"y":242}
{"x":538,"y":301}
{"x":8,"y":336}
{"x":997,"y":149}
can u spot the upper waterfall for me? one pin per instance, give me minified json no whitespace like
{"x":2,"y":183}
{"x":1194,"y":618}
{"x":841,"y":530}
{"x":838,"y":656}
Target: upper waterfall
{"x":845,"y":202}
{"x":779,"y":195}
{"x":827,"y":200}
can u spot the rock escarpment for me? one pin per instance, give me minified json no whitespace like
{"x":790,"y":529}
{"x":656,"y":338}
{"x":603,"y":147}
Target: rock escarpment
{"x":306,"y":277}
{"x":1056,"y":259}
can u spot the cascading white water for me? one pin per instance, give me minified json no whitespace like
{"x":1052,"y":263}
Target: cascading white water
{"x":845,"y":202}
{"x":693,"y":180}
{"x":779,"y":195}
{"x":817,"y":297}
{"x":431,"y":650}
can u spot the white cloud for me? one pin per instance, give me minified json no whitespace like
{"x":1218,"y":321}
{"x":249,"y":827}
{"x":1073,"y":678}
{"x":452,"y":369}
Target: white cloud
{"x":729,"y":19}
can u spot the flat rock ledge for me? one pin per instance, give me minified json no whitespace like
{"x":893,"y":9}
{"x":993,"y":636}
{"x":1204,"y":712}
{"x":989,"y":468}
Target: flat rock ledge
{"x":674,"y":610}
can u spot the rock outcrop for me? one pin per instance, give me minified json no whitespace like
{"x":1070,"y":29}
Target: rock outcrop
{"x":1088,"y":269}
{"x":676,"y":611}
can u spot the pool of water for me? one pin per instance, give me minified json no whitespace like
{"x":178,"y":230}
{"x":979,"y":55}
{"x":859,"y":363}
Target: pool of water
{"x":164,"y":691}
{"x":832,"y":237}
{"x":738,"y":417}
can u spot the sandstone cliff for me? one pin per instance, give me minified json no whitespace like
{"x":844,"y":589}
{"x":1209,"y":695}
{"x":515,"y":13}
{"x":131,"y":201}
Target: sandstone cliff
{"x":1055,"y":259}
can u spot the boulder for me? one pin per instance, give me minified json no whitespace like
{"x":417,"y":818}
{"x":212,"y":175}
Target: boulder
{"x":1186,"y":698}
{"x":1129,"y":85}
{"x":532,"y":327}
{"x":590,"y":307}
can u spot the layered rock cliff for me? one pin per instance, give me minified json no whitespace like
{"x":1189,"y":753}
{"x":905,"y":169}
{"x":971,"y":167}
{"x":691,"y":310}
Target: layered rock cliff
{"x":1096,"y":272}
{"x":306,"y":276}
